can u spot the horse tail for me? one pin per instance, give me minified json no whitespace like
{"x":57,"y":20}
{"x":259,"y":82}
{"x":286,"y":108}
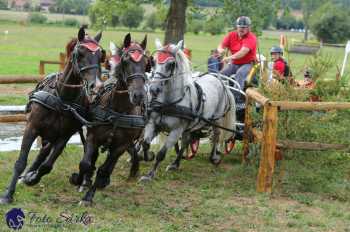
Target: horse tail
{"x":229,"y":120}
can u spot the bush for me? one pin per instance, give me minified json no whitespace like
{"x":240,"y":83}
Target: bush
{"x":132,"y":16}
{"x":214,"y":26}
{"x":195,"y":26}
{"x":331,"y":24}
{"x":71,"y":22}
{"x":3,"y":5}
{"x":37,"y":18}
{"x":151,"y":21}
{"x":289,"y":22}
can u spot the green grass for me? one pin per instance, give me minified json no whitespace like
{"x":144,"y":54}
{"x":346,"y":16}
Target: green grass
{"x":199,"y":197}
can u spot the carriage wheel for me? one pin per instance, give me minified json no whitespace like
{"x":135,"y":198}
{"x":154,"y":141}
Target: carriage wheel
{"x":229,"y":145}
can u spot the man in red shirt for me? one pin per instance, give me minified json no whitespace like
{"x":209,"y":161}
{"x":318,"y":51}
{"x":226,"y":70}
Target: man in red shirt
{"x":281,"y":70}
{"x":242,"y":45}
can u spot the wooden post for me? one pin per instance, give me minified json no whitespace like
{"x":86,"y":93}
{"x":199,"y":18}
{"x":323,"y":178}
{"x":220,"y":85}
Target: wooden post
{"x":248,"y":122}
{"x":268,"y":149}
{"x":62,"y":60}
{"x":41,"y":68}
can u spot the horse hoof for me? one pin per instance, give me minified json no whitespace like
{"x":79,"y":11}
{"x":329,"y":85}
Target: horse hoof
{"x":172,"y":167}
{"x":5,"y":200}
{"x":85,"y":203}
{"x":74,"y":179}
{"x":145,"y":179}
{"x":215,"y":161}
{"x":31,"y":178}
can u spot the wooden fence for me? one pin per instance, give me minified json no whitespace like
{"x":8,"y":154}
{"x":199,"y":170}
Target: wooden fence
{"x":268,"y":136}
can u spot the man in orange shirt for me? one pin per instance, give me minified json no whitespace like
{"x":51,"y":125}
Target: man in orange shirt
{"x":242,"y":45}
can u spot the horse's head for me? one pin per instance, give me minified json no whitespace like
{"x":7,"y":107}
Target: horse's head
{"x":85,"y":56}
{"x":169,"y":63}
{"x":129,"y":68}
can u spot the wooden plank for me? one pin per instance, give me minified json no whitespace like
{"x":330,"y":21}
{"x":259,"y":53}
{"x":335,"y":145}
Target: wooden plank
{"x":286,"y":105}
{"x":314,"y":146}
{"x":19,"y":79}
{"x":248,"y":122}
{"x":62,"y":58}
{"x":13,"y":118}
{"x":257,"y":135}
{"x":41,"y":68}
{"x":258,"y":97}
{"x":268,"y":149}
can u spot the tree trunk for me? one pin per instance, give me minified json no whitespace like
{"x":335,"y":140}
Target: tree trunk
{"x":306,"y":33}
{"x":176,"y":21}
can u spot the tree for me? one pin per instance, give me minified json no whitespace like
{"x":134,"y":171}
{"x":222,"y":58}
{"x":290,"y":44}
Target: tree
{"x":175,"y":21}
{"x":308,"y":7}
{"x":330,"y":24}
{"x":3,"y":4}
{"x":261,"y":12}
{"x":104,"y":12}
{"x":132,"y":16}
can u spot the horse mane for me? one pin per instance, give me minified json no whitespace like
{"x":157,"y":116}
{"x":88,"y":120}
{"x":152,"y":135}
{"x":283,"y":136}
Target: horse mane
{"x":70,"y":46}
{"x":184,"y":68}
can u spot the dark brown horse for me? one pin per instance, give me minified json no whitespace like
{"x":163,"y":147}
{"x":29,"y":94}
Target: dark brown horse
{"x":49,"y":111}
{"x":120,"y":111}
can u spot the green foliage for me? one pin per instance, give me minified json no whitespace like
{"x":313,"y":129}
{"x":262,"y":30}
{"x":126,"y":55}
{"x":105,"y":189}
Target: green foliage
{"x":214,"y":26}
{"x":103,"y":12}
{"x":3,"y":4}
{"x":132,"y":16}
{"x":156,"y":19}
{"x":262,"y":13}
{"x":319,"y":64}
{"x":71,"y":6}
{"x":331,"y":24}
{"x":37,"y":18}
{"x":195,"y":26}
{"x":71,"y":22}
{"x":289,"y":22}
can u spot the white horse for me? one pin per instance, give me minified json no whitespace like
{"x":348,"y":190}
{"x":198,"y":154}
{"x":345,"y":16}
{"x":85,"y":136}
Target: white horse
{"x":181,"y":105}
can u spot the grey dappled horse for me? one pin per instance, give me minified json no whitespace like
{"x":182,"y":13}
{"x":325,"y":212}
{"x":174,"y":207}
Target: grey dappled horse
{"x":178,"y":107}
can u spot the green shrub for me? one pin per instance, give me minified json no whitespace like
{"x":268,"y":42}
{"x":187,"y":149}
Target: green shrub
{"x":37,"y":18}
{"x":132,"y":16}
{"x":331,"y":24}
{"x":71,"y":22}
{"x":214,"y":26}
{"x":195,"y":26}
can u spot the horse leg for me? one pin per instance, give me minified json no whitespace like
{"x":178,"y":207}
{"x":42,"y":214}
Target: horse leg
{"x":47,"y":166}
{"x":150,"y":133}
{"x":103,"y":174}
{"x":185,"y":142}
{"x":135,"y":165}
{"x":28,"y":138}
{"x":86,"y":166}
{"x":43,"y":153}
{"x":172,"y":138}
{"x":215,"y":157}
{"x":87,"y":182}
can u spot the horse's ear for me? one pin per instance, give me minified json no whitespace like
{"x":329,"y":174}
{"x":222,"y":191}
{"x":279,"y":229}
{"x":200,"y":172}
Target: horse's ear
{"x":158,"y":44}
{"x":127,"y":40}
{"x":112,"y":48}
{"x":81,"y":33}
{"x":144,"y":43}
{"x":98,"y":37}
{"x":180,"y":45}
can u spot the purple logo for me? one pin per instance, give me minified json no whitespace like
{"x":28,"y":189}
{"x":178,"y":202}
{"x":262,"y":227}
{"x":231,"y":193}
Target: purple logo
{"x":15,"y":218}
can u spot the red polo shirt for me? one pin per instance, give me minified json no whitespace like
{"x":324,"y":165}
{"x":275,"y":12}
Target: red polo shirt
{"x":279,"y":66}
{"x":233,"y":42}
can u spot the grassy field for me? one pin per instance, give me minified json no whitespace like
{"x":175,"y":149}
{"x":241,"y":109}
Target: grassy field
{"x":311,"y":194}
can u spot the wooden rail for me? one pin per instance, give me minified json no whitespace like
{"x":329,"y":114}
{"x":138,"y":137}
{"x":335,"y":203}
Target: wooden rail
{"x":19,"y":79}
{"x":268,"y":136}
